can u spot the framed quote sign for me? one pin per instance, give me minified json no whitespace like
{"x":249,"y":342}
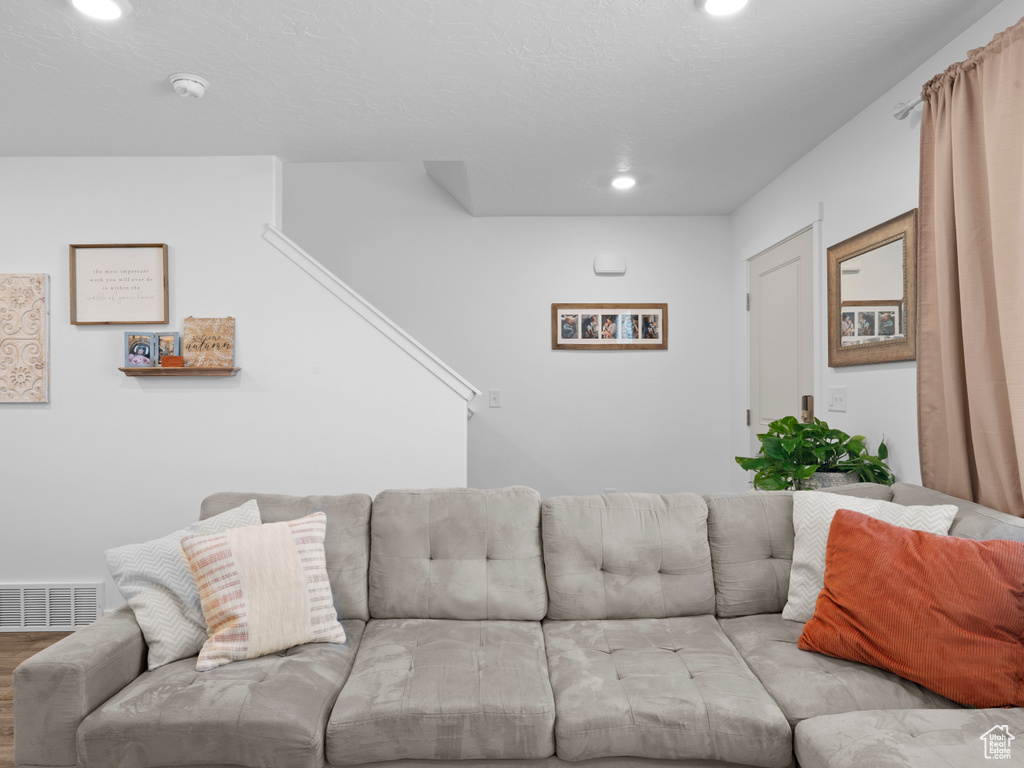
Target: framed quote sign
{"x":119,"y":284}
{"x":609,"y":326}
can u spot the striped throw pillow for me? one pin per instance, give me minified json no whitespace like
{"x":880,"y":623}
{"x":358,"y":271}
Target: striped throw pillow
{"x":945,"y":612}
{"x":263,"y":589}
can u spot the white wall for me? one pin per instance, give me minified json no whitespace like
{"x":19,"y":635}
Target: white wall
{"x":478,"y":291}
{"x":864,"y":174}
{"x":322,"y":404}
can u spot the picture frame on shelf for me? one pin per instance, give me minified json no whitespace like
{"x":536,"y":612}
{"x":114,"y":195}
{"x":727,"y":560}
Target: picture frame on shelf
{"x":168,"y":344}
{"x":140,"y":349}
{"x":609,"y":326}
{"x":119,"y":284}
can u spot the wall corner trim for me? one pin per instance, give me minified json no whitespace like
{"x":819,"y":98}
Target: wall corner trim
{"x":371,"y":314}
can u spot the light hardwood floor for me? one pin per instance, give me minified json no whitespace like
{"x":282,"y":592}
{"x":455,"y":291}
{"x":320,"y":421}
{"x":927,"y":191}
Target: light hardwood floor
{"x":15,"y":647}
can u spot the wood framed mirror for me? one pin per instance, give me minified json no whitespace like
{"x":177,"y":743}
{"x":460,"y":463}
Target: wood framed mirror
{"x":872,"y":301}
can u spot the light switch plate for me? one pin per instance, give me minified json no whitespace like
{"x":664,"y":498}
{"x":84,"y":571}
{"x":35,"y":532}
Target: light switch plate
{"x":837,"y":399}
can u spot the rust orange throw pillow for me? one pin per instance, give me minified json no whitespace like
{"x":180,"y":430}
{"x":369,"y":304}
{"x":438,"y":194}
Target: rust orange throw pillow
{"x":947,"y":613}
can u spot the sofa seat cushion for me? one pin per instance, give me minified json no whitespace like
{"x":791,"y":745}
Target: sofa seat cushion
{"x":443,"y":689}
{"x":953,"y":739}
{"x":262,"y":713}
{"x":659,"y":688}
{"x":808,"y":684}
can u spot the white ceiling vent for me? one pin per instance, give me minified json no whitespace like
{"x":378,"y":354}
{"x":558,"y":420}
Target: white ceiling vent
{"x":49,"y":607}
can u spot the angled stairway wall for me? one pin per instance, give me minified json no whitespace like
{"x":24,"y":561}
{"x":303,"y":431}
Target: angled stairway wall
{"x":478,"y":291}
{"x":327,"y":400}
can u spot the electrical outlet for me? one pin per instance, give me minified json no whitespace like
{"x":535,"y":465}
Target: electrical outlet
{"x":837,"y":399}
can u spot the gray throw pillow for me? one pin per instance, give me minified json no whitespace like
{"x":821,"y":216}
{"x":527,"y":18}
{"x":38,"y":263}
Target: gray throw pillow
{"x":155,"y":581}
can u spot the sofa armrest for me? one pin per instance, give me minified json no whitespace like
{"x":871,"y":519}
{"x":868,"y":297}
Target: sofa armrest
{"x":57,"y":688}
{"x":972,"y":521}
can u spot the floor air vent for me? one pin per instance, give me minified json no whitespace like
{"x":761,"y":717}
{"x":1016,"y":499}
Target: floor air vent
{"x":49,"y":607}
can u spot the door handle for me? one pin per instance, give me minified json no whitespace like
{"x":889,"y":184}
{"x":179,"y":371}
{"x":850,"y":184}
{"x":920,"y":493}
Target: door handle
{"x":807,"y":409}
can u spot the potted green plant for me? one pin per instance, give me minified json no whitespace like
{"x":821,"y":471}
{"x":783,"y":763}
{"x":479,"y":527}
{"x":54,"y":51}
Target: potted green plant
{"x":791,"y":452}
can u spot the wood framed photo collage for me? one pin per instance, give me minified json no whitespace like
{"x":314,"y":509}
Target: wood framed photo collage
{"x":609,"y":326}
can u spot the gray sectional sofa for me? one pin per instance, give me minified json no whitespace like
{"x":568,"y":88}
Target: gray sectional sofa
{"x":489,"y":628}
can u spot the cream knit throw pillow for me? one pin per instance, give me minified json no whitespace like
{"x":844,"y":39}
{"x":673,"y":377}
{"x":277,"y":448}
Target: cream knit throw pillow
{"x":263,"y":589}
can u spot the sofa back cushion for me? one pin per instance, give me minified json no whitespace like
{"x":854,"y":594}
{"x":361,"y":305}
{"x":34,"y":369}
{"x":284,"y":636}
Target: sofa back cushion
{"x":972,"y":521}
{"x":457,"y":553}
{"x":751,"y":537}
{"x":627,"y":556}
{"x":346,"y":546}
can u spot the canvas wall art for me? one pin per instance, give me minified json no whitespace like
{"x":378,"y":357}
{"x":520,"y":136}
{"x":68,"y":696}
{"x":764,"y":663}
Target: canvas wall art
{"x":208,"y":342}
{"x":24,"y":339}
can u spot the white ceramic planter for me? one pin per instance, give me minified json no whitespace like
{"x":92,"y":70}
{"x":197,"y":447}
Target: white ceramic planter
{"x":821,"y":480}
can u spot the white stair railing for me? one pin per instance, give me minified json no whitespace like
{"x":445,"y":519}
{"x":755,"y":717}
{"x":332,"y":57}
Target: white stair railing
{"x":371,"y":314}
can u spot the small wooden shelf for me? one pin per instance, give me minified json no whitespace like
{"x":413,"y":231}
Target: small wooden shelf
{"x":192,"y":371}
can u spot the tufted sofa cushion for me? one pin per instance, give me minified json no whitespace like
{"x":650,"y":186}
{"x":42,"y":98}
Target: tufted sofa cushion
{"x":673,"y":689}
{"x":457,"y":554}
{"x":807,"y":684}
{"x":627,"y":556}
{"x":951,"y":739}
{"x":265,"y":713}
{"x":751,"y":538}
{"x":445,"y":690}
{"x":346,"y":546}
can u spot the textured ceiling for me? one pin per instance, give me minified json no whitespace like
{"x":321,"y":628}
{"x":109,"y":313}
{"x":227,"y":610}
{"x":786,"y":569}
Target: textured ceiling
{"x":539,"y":100}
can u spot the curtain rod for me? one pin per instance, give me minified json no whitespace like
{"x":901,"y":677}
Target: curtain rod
{"x":904,"y":108}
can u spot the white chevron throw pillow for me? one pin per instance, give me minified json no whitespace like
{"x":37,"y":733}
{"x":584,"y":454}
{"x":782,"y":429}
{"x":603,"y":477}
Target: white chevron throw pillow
{"x":156,"y":582}
{"x":812,"y":517}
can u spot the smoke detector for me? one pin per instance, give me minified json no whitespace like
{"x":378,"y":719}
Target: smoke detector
{"x":189,"y":85}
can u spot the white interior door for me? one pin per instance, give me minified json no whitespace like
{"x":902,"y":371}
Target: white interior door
{"x":781,"y":330}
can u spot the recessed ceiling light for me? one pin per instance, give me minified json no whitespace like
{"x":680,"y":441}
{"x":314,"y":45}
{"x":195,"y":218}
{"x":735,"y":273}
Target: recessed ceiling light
{"x":104,"y":10}
{"x":720,"y":7}
{"x":623,"y":183}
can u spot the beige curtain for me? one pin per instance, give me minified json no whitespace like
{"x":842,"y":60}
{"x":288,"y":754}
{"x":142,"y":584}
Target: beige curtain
{"x":970,"y":366}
